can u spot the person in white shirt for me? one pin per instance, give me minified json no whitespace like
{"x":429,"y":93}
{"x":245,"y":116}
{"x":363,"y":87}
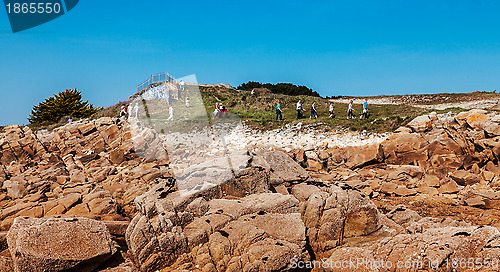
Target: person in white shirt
{"x":349,"y":110}
{"x":171,"y":113}
{"x":332,"y":113}
{"x":130,"y":110}
{"x":182,"y":85}
{"x":299,"y":109}
{"x":136,"y":109}
{"x":123,"y":112}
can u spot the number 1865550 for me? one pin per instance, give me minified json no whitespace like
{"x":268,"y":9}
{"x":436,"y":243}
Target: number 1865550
{"x":34,"y":8}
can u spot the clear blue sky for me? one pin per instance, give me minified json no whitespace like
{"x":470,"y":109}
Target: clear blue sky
{"x":106,"y":48}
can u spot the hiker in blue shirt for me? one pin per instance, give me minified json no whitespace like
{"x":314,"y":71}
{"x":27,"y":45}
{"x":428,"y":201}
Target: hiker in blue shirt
{"x":365,"y":109}
{"x":278,"y":112}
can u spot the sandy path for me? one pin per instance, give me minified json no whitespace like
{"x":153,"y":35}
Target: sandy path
{"x":472,"y":104}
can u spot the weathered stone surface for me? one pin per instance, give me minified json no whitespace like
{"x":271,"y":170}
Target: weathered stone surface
{"x":420,"y":124}
{"x":403,"y":191}
{"x":448,"y":188}
{"x":351,"y":259}
{"x":58,"y":244}
{"x":325,"y":211}
{"x":433,"y":246}
{"x":283,"y":168}
{"x":403,"y":216}
{"x":428,"y":190}
{"x":360,"y":156}
{"x":313,"y":165}
{"x":475,"y":201}
{"x":90,"y":169}
{"x":431,"y":181}
{"x":388,"y":188}
{"x":116,"y":156}
{"x":462,"y":177}
{"x":6,"y":264}
{"x":474,"y":118}
{"x":15,"y":188}
{"x":406,"y":148}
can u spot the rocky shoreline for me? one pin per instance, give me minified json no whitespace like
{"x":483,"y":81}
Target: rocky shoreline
{"x":105,"y":195}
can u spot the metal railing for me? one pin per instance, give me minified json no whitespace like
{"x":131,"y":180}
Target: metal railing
{"x":156,"y":78}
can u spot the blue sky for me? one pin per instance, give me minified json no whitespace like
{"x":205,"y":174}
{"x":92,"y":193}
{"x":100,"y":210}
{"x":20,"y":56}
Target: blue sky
{"x":106,"y":48}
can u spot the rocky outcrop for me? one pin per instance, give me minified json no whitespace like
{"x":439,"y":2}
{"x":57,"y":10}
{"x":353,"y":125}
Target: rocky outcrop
{"x":232,"y":210}
{"x":59,"y":244}
{"x":87,"y":168}
{"x":227,"y":231}
{"x":454,"y":155}
{"x":90,"y":169}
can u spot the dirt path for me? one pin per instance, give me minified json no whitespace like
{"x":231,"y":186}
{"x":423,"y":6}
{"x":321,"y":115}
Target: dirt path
{"x":475,"y":100}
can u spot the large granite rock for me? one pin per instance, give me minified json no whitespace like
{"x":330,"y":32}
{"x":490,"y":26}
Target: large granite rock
{"x":59,"y":244}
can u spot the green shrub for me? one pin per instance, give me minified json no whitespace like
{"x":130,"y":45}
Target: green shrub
{"x":279,"y":88}
{"x":67,"y":103}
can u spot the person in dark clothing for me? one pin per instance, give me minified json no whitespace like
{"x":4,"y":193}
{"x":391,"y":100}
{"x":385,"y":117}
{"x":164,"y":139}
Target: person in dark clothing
{"x":299,"y":110}
{"x":278,"y":112}
{"x":313,"y":111}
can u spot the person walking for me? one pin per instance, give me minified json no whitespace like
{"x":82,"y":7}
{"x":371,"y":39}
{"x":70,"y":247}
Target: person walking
{"x":278,"y":112}
{"x":130,"y":107}
{"x":299,"y":109}
{"x":349,"y":110}
{"x":332,"y":113}
{"x":123,"y":112}
{"x":313,"y":111}
{"x":221,"y":110}
{"x":252,"y":92}
{"x":365,"y":109}
{"x":171,"y":113}
{"x":216,"y":111}
{"x":136,"y":109}
{"x":182,"y":84}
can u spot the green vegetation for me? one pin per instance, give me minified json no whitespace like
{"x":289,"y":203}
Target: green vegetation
{"x":259,"y":110}
{"x":280,"y":88}
{"x":64,"y":104}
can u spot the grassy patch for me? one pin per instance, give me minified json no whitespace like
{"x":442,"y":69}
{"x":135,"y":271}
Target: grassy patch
{"x":260,"y":111}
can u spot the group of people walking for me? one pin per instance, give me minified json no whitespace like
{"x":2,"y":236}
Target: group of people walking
{"x":220,"y":111}
{"x":314,"y":112}
{"x":129,"y":110}
{"x":350,"y":111}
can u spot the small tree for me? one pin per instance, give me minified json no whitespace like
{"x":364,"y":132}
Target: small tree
{"x":67,"y":103}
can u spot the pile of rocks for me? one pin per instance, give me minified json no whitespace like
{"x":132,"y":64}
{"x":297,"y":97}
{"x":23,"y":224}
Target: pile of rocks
{"x":262,"y":219}
{"x":457,"y":156}
{"x":306,"y":137}
{"x":80,"y":198}
{"x":87,"y":169}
